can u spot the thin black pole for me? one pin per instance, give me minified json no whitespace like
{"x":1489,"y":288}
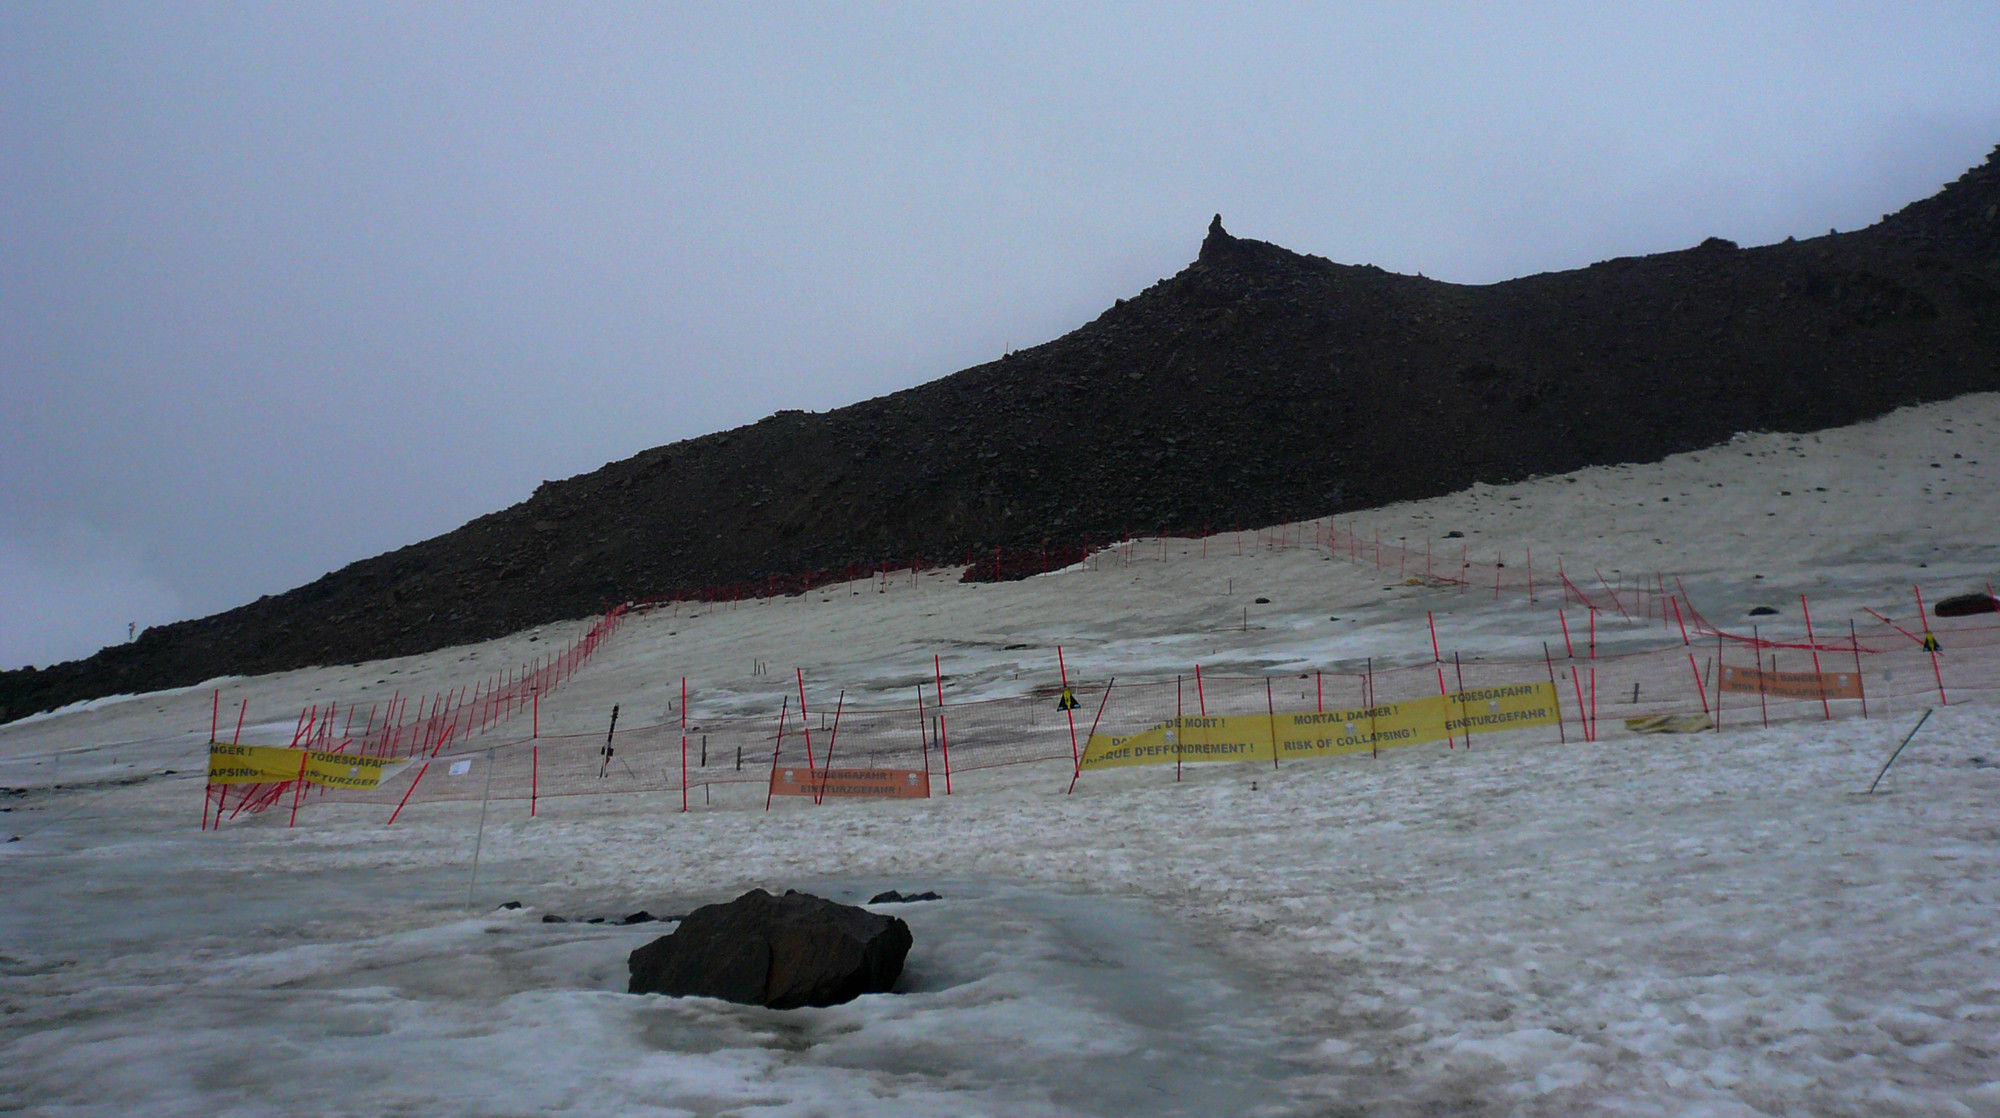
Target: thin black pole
{"x":1899,"y":750}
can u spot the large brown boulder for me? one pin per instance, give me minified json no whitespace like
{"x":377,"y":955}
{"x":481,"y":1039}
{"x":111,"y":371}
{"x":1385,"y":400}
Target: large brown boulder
{"x":781,"y":952}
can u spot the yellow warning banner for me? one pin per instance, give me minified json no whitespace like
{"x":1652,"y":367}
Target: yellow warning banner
{"x":1333,"y":732}
{"x":344,"y":770}
{"x":1241,"y":737}
{"x":268,"y":764}
{"x":1255,"y":737}
{"x":1491,"y":710}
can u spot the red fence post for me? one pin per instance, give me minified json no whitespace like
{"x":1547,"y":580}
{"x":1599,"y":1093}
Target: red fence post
{"x":771,"y":784}
{"x":1698,"y":688}
{"x":806,"y":719}
{"x":1826,"y":708}
{"x":1437,"y":661}
{"x":1930,"y":646}
{"x":1062,"y":666}
{"x":407,"y":794}
{"x":1078,"y":771}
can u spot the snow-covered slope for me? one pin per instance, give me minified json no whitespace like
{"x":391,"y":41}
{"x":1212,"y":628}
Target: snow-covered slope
{"x":1704,"y":924}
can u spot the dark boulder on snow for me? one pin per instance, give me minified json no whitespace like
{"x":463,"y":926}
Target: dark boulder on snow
{"x":893,"y":897}
{"x":1763,"y":611}
{"x":1965,"y":605}
{"x":780,"y":952}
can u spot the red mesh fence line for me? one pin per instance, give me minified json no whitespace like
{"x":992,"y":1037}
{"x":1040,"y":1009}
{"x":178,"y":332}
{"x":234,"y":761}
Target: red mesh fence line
{"x":1595,"y":695}
{"x":1449,"y":563}
{"x":439,"y":720}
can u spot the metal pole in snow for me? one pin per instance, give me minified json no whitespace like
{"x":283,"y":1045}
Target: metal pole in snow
{"x":1593,"y":702}
{"x":924,"y":732}
{"x":1718,"y":681}
{"x":1582,"y":711}
{"x":1177,"y":729}
{"x":1374,"y":741}
{"x":1271,"y":712}
{"x":684,"y":744}
{"x":1854,"y":640}
{"x":480,"y":838}
{"x":1757,"y":643}
{"x":1899,"y":750}
{"x":944,"y":748}
{"x":1464,"y":716}
{"x":1555,"y":693}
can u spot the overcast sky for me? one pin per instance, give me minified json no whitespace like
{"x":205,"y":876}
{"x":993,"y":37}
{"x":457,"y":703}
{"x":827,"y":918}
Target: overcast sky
{"x":286,"y":286}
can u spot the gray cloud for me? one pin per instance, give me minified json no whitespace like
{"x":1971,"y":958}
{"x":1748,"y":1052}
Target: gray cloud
{"x":284,"y":287}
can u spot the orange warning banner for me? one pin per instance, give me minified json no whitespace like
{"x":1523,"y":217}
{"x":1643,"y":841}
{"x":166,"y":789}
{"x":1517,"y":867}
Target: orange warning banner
{"x":1792,"y":685}
{"x":911,"y":784}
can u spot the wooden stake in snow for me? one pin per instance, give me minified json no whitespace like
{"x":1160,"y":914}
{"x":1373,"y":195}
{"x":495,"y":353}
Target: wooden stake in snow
{"x":1093,"y":729}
